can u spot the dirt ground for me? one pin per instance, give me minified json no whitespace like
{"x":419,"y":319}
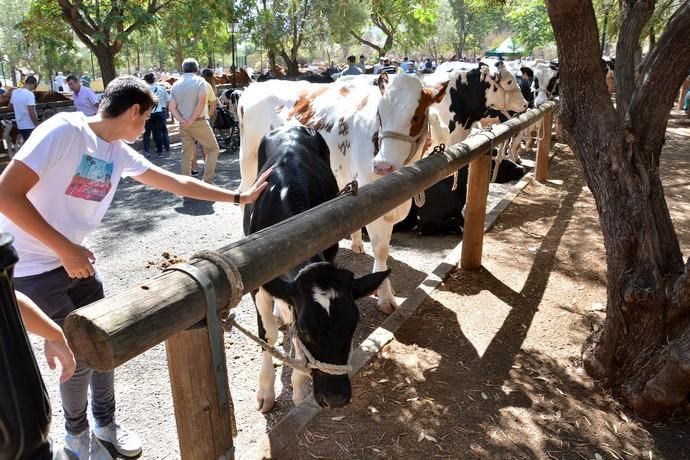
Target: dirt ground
{"x":490,"y":366}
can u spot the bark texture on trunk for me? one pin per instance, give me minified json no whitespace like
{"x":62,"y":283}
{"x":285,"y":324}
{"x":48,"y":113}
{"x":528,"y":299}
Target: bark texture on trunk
{"x":643,"y":349}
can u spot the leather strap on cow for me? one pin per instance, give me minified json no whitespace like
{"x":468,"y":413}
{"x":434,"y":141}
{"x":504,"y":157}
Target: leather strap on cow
{"x":304,"y":360}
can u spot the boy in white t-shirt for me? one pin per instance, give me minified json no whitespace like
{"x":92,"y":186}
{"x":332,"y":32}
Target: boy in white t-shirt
{"x":54,"y":192}
{"x":23,"y":103}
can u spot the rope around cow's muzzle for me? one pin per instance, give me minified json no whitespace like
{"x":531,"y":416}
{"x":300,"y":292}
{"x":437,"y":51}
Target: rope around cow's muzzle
{"x":304,"y":361}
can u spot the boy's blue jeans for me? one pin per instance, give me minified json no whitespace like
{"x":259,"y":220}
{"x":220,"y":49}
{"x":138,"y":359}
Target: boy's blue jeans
{"x":57,"y":295}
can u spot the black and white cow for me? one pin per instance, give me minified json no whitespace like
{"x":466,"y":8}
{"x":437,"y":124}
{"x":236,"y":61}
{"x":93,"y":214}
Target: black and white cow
{"x":316,"y":296}
{"x":470,"y":96}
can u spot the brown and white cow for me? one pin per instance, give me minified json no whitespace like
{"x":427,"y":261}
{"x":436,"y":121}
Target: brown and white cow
{"x":370,"y":130}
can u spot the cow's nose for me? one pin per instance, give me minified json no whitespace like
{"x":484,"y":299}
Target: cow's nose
{"x":333,"y":401}
{"x":383,"y":168}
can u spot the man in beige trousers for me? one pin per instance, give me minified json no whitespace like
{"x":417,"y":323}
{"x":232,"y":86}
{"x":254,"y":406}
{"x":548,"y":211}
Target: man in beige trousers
{"x":188,"y":106}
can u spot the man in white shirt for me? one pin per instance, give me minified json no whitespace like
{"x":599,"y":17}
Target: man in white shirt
{"x":59,"y":82}
{"x":85,"y":100}
{"x":188,"y":104}
{"x":23,"y":103}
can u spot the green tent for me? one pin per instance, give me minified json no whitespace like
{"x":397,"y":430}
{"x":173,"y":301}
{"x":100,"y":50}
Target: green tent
{"x":507,"y":49}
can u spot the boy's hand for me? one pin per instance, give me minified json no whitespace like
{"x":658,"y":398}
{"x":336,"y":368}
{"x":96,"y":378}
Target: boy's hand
{"x":255,"y":191}
{"x":58,"y":350}
{"x":77,"y":261}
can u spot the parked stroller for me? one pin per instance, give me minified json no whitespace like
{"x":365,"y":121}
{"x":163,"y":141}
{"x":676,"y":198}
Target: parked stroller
{"x":226,"y":130}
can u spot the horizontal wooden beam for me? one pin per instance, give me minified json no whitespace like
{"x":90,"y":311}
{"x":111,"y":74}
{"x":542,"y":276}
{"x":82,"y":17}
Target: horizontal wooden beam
{"x":113,"y":330}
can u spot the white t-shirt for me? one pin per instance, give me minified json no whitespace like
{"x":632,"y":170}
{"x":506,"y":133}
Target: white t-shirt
{"x":21,"y":99}
{"x":78,"y":174}
{"x":60,"y":81}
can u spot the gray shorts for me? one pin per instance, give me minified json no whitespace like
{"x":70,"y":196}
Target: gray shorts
{"x":57,"y":294}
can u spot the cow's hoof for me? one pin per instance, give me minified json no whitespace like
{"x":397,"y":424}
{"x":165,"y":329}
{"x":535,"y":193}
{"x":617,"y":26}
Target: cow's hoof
{"x":358,"y":247}
{"x":387,"y":307}
{"x":265,"y":403}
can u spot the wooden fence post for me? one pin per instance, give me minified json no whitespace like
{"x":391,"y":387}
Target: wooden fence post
{"x":475,"y":213}
{"x":203,"y":431}
{"x":543,"y":149}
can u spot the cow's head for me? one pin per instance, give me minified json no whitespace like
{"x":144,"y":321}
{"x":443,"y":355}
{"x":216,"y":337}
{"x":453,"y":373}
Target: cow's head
{"x":545,"y":84}
{"x":402,"y":120}
{"x":503,"y":92}
{"x":326,"y":316}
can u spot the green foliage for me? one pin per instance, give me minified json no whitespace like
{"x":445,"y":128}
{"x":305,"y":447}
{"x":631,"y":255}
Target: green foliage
{"x":529,"y":20}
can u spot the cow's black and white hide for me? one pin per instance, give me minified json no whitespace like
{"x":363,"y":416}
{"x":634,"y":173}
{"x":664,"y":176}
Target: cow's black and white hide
{"x":316,"y":297}
{"x":439,"y":210}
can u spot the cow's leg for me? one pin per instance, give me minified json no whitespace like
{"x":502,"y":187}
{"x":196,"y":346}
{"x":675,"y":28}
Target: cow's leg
{"x":380,"y":232}
{"x":357,"y":243}
{"x":282,"y":313}
{"x":268,"y":331}
{"x":300,"y":386}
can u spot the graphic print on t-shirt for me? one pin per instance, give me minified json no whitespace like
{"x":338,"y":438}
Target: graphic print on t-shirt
{"x":91,"y":181}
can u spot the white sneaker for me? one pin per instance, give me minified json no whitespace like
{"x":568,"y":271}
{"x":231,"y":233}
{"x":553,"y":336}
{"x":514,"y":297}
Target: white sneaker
{"x":125,"y":442}
{"x":86,"y":447}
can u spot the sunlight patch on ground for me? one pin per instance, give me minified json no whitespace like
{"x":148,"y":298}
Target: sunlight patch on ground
{"x":492,"y":317}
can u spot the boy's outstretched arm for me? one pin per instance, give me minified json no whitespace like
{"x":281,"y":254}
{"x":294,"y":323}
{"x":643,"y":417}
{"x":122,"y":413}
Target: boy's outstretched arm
{"x":15,"y":183}
{"x":55,"y":347}
{"x":193,"y":188}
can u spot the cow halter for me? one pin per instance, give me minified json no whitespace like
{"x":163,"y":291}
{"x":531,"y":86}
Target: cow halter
{"x":414,"y":141}
{"x":303,"y":361}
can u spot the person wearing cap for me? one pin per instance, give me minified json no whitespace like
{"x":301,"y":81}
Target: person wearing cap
{"x":526,"y":79}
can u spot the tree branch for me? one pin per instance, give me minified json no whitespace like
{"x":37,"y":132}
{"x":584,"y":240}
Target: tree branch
{"x":635,"y":14}
{"x":365,"y":42}
{"x":664,"y":71}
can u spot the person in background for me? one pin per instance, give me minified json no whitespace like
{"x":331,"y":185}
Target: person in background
{"x":23,"y":103}
{"x":211,"y":107}
{"x":411,"y":69}
{"x":156,"y":122}
{"x":59,"y":82}
{"x":188,"y":105}
{"x":362,"y":63}
{"x":85,"y":100}
{"x":55,"y":192}
{"x":377,"y":67}
{"x":387,"y":67}
{"x":2,"y":90}
{"x":352,"y":68}
{"x":85,"y":80}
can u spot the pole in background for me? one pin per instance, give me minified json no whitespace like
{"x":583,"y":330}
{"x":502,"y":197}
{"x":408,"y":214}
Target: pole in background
{"x":93,"y":69}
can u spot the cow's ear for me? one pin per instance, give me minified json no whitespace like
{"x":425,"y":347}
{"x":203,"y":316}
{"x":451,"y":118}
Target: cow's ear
{"x":440,"y":91}
{"x":282,"y":289}
{"x":383,"y":82}
{"x":368,"y":284}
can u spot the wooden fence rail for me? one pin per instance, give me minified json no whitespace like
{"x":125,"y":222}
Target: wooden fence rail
{"x":113,"y":330}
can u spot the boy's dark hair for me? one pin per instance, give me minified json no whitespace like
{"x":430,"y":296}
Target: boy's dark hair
{"x":149,"y":78}
{"x":122,"y":93}
{"x":351,"y":59}
{"x":72,"y":78}
{"x":30,"y":80}
{"x":207,"y":74}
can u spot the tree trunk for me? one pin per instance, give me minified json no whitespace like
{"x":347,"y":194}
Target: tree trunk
{"x":291,"y":63}
{"x":106,"y":61}
{"x":643,"y":349}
